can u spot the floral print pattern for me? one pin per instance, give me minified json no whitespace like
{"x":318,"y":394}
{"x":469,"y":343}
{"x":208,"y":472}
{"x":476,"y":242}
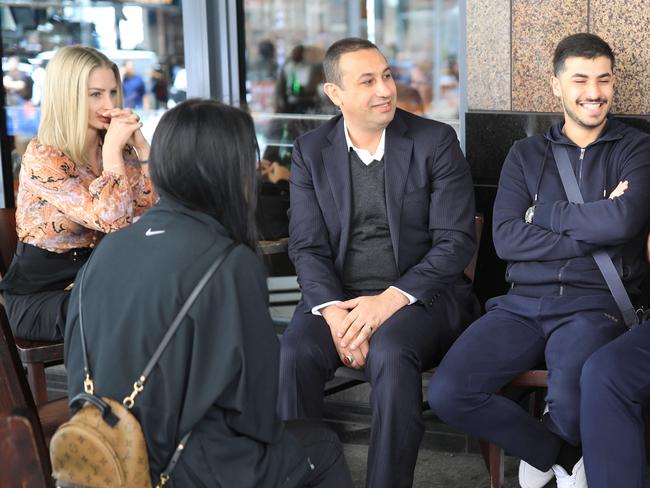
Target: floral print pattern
{"x":62,"y":205}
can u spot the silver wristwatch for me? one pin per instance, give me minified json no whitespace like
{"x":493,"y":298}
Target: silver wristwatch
{"x":530,"y":214}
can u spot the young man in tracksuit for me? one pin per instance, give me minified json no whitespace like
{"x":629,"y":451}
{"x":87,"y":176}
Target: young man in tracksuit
{"x":559,"y":309}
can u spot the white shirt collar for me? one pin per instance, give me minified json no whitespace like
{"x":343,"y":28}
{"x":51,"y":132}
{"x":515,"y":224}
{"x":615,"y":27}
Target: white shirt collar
{"x":363,"y":154}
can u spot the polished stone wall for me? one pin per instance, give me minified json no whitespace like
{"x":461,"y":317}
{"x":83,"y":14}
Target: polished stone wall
{"x":537,"y":26}
{"x":625,"y":25}
{"x":510,"y":44}
{"x":488,"y":67}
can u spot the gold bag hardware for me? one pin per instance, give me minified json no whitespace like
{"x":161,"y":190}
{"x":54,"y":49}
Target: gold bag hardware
{"x":102,"y":445}
{"x":88,"y":451}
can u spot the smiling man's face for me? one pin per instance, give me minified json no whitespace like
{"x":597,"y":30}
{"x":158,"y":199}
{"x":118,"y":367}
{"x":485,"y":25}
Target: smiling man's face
{"x":586,"y":89}
{"x":367,"y":95}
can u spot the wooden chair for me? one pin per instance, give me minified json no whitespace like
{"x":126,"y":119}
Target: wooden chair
{"x":35,"y":355}
{"x":538,"y":380}
{"x":8,"y":237}
{"x":23,"y":460}
{"x":24,"y":427}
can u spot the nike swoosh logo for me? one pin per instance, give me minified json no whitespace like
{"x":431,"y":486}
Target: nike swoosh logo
{"x":150,"y":232}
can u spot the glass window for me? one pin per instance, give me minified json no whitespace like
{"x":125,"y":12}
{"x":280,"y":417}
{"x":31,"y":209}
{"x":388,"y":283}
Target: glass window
{"x":421,"y":40}
{"x":286,"y":41}
{"x":285,"y":44}
{"x":144,"y":40}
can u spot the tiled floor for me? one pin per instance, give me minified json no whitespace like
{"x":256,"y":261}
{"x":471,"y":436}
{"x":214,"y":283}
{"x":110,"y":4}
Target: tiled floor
{"x":437,"y":469}
{"x":443,"y":460}
{"x":447,"y":459}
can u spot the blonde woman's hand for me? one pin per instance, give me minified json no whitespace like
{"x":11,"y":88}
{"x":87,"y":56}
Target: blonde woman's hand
{"x":121,"y":128}
{"x":140,"y":144}
{"x":137,"y":139}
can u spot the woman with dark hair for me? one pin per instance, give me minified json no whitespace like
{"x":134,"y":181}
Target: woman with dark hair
{"x":218,"y":376}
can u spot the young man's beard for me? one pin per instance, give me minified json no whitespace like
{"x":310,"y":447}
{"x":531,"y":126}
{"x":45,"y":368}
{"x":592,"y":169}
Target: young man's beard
{"x":574,"y":114}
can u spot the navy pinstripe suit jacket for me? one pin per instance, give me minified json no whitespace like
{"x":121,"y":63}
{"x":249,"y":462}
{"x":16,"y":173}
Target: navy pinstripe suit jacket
{"x":429,"y":203}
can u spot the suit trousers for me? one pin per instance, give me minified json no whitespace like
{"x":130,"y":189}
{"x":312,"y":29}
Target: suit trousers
{"x":38,"y":316}
{"x":615,"y":387}
{"x":516,"y":334}
{"x":404,"y":346}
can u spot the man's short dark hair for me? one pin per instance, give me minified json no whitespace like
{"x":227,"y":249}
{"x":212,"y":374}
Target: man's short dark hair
{"x":338,"y":49}
{"x":583,"y":45}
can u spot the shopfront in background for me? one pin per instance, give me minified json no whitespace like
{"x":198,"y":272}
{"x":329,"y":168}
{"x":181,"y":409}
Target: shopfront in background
{"x":145,"y":39}
{"x":265,"y":55}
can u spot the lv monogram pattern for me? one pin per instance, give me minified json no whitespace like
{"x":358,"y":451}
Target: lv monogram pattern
{"x":88,"y":452}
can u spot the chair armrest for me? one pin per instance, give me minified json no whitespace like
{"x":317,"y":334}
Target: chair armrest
{"x":39,"y":351}
{"x":534,"y":377}
{"x":278,"y":246}
{"x":52,"y":414}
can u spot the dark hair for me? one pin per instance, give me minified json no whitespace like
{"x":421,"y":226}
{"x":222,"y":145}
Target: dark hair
{"x":338,"y":49}
{"x":203,"y":156}
{"x":582,"y":45}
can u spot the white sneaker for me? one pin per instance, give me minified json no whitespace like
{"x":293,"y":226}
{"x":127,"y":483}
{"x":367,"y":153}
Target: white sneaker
{"x":531,"y":477}
{"x":577,"y":479}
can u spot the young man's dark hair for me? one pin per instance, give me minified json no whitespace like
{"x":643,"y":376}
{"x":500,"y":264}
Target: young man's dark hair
{"x":338,"y":49}
{"x":582,"y":45}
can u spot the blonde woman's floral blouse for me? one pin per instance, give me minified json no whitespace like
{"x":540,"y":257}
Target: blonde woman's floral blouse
{"x":62,"y":205}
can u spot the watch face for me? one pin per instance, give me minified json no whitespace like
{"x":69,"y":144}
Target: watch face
{"x":529,"y":215}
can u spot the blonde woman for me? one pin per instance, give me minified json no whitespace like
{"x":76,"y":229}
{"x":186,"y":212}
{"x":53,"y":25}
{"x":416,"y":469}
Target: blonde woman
{"x":83,"y":176}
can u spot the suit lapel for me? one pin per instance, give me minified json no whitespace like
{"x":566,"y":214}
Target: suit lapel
{"x":337,"y":166}
{"x":397,"y":159}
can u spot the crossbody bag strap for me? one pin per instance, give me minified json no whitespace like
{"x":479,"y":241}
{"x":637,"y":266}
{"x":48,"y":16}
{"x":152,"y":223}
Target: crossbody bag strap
{"x":138,"y":386}
{"x":89,"y":385}
{"x":603,"y":260}
{"x":164,"y":476}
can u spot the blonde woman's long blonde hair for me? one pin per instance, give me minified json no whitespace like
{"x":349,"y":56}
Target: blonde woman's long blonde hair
{"x":64,"y":110}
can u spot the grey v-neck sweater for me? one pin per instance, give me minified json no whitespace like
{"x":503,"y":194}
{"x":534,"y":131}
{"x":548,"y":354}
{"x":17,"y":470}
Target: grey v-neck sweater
{"x":369,"y":263}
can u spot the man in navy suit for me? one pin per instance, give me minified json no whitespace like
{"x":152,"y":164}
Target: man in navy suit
{"x":381,"y":227}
